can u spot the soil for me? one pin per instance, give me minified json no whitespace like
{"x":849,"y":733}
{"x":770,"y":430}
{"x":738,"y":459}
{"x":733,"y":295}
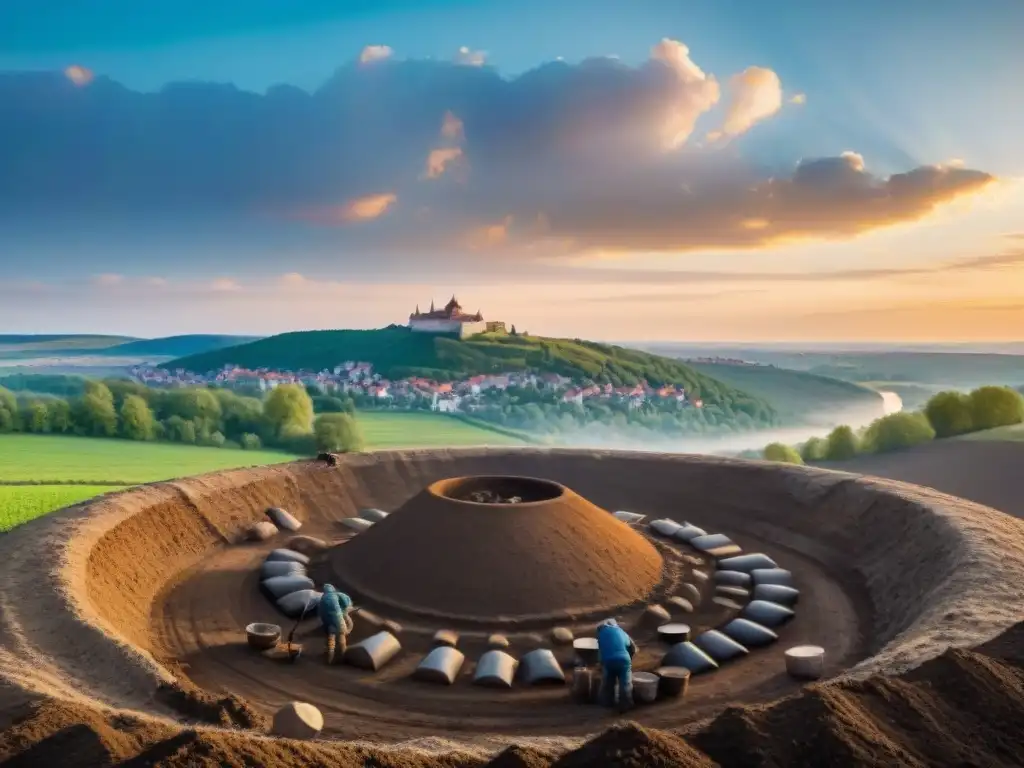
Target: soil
{"x":122,"y":619}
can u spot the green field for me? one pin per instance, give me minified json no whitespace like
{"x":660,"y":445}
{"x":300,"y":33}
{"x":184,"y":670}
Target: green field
{"x":412,"y":430}
{"x":59,"y":459}
{"x":21,"y":503}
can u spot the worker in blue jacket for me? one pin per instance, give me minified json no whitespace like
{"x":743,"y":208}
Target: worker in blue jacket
{"x":616,"y":650}
{"x":334,"y":615}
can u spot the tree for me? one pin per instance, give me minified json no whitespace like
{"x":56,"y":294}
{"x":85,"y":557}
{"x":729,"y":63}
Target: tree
{"x":93,"y":413}
{"x":996,"y":407}
{"x":240,"y":415}
{"x":950,"y":413}
{"x":197,"y":405}
{"x":814,"y":449}
{"x":898,"y":431}
{"x":137,"y":422}
{"x":513,"y":331}
{"x":338,"y":433}
{"x":250,"y":442}
{"x":8,"y":411}
{"x":288,"y":411}
{"x":60,"y":416}
{"x":179,"y":430}
{"x":841,"y":444}
{"x":37,"y":417}
{"x":781,"y":452}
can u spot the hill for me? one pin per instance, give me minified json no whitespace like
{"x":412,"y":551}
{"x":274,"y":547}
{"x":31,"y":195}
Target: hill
{"x":178,"y":346}
{"x":397,"y":352}
{"x":17,"y":345}
{"x":798,"y":396}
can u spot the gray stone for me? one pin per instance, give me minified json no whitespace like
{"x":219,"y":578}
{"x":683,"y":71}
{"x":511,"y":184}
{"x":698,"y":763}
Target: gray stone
{"x":373,"y":515}
{"x":747,"y":563}
{"x":562,"y":635}
{"x":283,"y":520}
{"x":665,"y":527}
{"x":495,"y":669}
{"x":716,"y":545}
{"x":777,"y":593}
{"x":690,"y":592}
{"x":279,"y":586}
{"x":497,"y":642}
{"x":726,"y":602}
{"x":541,"y":666}
{"x":441,"y":665}
{"x":297,"y":720}
{"x":373,"y":652}
{"x":767,"y":614}
{"x":303,"y":602}
{"x":630,"y":518}
{"x":779,"y":576}
{"x":357,"y":524}
{"x":308,"y":545}
{"x":655,"y":615}
{"x":732,"y":578}
{"x":688,"y":533}
{"x":261,"y":531}
{"x":699,"y":575}
{"x":719,"y":647}
{"x":679,"y":604}
{"x":281,"y":568}
{"x":734,"y":592}
{"x":749,"y":633}
{"x":447,"y":637}
{"x":287,"y":556}
{"x":689,"y":656}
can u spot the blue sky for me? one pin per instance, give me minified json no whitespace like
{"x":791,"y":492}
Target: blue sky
{"x":901,"y":84}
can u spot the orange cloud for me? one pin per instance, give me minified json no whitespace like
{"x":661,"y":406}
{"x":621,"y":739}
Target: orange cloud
{"x":78,"y":75}
{"x":755,"y":94}
{"x":452,"y":128}
{"x":489,"y":235}
{"x":372,"y":53}
{"x":359,"y":209}
{"x":439,"y":159}
{"x":695,"y":92}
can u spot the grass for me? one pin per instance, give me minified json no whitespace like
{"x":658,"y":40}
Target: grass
{"x":60,"y":459}
{"x":1013,"y":433}
{"x":19,"y":504}
{"x":421,"y":430}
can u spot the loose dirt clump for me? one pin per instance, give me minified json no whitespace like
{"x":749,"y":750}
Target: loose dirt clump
{"x":201,"y":705}
{"x":633,"y":746}
{"x":521,"y":757}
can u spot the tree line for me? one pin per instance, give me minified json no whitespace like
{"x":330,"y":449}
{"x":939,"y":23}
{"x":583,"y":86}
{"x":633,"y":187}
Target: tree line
{"x":946,"y":414}
{"x":287,"y":419}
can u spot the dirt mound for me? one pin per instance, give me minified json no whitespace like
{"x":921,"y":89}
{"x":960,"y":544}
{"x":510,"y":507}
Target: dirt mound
{"x":521,"y":757}
{"x":632,"y":746}
{"x":550,"y":553}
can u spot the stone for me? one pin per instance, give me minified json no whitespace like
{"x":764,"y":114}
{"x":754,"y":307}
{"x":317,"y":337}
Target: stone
{"x":357,"y":524}
{"x":688,"y":533}
{"x":541,"y":666}
{"x":441,"y":665}
{"x":308,"y":545}
{"x":691,"y":592}
{"x":630,"y":518}
{"x":373,"y":515}
{"x":749,"y":633}
{"x":300,"y":603}
{"x":689,"y":656}
{"x":747,"y":563}
{"x":727,"y":603}
{"x":732,"y":578}
{"x":373,"y":652}
{"x":719,"y":646}
{"x":273,"y":568}
{"x":297,"y":720}
{"x":277,"y":587}
{"x":562,"y":635}
{"x":767,"y":614}
{"x":665,"y":527}
{"x":732,"y":592}
{"x":497,"y":642}
{"x":777,"y":593}
{"x":287,"y":556}
{"x":680,"y":604}
{"x":700,"y":575}
{"x":655,"y":615}
{"x":495,"y":669}
{"x":392,"y":626}
{"x":283,"y":520}
{"x":779,"y":576}
{"x":261,"y":531}
{"x":448,"y":637}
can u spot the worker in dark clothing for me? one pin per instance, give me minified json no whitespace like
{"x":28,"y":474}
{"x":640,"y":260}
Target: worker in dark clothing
{"x":616,"y":650}
{"x":334,"y":615}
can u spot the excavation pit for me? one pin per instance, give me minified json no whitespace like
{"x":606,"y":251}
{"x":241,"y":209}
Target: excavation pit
{"x":498,"y":490}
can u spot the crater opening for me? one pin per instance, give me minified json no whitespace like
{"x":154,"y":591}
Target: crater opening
{"x":497,"y":489}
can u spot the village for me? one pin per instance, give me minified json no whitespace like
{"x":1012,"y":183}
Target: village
{"x":370,"y":389}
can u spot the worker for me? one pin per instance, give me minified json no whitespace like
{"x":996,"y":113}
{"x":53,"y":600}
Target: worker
{"x":334,"y":615}
{"x":616,"y":650}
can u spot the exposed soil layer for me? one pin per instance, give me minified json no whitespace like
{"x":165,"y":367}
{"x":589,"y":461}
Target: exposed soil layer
{"x":81,"y":592}
{"x":451,"y":556}
{"x":962,"y":708}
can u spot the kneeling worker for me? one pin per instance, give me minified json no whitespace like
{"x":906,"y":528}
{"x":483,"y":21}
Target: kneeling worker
{"x":616,"y":650}
{"x":334,"y":612}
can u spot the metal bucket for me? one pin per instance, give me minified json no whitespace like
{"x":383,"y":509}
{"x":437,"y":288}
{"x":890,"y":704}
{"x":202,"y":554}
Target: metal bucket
{"x":674,"y":633}
{"x":582,"y":680}
{"x":645,"y":687}
{"x":673,"y":681}
{"x":586,"y":650}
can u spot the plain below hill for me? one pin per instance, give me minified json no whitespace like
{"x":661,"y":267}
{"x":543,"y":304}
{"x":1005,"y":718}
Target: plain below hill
{"x":798,"y":396}
{"x":178,"y":346}
{"x":396,"y":352}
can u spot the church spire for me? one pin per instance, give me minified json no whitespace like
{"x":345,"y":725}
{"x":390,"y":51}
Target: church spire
{"x":431,"y":305}
{"x":417,"y":310}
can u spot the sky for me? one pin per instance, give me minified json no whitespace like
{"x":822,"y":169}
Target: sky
{"x":718,"y":170}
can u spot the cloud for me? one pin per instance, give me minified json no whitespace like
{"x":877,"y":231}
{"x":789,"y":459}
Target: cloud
{"x":372,"y":53}
{"x":469,"y":58}
{"x":754,"y":95}
{"x":798,"y":99}
{"x":108,"y":280}
{"x":594,"y":157}
{"x":225,"y":285}
{"x":78,"y":75}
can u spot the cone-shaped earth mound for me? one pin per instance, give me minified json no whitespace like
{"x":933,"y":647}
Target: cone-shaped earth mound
{"x":493,"y":548}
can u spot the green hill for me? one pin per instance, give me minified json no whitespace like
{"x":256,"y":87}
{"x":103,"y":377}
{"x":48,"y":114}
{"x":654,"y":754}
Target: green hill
{"x":397,"y":352}
{"x":798,"y":396}
{"x":17,"y":346}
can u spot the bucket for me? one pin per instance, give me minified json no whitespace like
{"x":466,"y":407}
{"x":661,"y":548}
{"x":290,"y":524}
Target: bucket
{"x":805,"y":661}
{"x":673,"y":681}
{"x":582,"y":682}
{"x":586,"y":650}
{"x":645,"y":687}
{"x":262,"y":637}
{"x":674,"y":633}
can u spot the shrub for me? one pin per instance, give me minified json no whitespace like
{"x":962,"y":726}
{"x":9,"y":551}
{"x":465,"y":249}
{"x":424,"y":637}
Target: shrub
{"x":337,"y":433}
{"x":781,"y":452}
{"x":250,"y":442}
{"x":841,"y":444}
{"x":814,"y":449}
{"x":950,"y":413}
{"x":897,"y":431}
{"x":996,"y":407}
{"x":137,"y":422}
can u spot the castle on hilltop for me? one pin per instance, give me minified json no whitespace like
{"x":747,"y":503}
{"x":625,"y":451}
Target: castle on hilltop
{"x":452,"y":319}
